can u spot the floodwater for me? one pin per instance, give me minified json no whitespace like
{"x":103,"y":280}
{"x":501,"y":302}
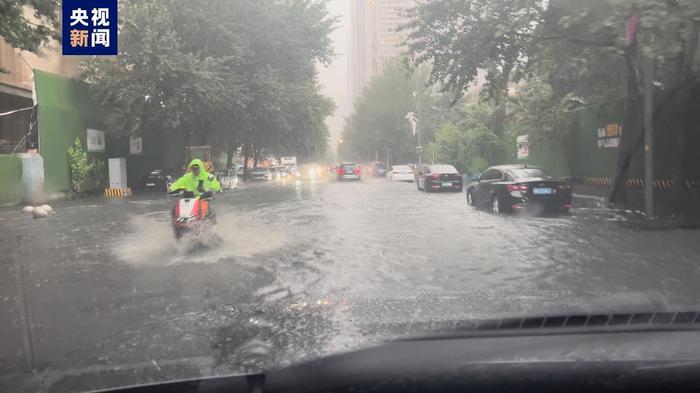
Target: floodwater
{"x":101,"y":294}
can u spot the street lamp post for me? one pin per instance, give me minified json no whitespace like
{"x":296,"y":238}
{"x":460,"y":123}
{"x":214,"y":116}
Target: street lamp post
{"x":418,"y":120}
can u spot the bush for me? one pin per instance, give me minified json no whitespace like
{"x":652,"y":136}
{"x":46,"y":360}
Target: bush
{"x":470,"y":147}
{"x":85,"y":175}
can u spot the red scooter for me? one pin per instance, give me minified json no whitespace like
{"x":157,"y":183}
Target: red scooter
{"x":192,"y":214}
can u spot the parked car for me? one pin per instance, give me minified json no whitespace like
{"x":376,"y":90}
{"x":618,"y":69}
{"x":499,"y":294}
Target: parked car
{"x":157,"y":180}
{"x":349,"y":171}
{"x":228,"y":179}
{"x":507,"y":188}
{"x":438,"y":178}
{"x":259,"y":174}
{"x":400,"y":173}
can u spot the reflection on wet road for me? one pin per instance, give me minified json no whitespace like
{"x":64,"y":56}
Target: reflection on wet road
{"x":299,"y":271}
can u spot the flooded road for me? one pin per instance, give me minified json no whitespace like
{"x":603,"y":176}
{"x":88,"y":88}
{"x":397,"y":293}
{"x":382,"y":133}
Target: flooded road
{"x":101,"y":294}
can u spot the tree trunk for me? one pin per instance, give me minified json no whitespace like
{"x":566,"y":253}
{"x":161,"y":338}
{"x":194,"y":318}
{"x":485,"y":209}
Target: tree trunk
{"x":186,"y":143}
{"x":630,"y":126}
{"x":256,"y":156}
{"x":246,"y":155}
{"x":229,"y":154}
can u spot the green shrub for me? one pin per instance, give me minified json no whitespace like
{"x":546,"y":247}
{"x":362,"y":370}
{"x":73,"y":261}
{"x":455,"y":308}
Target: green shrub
{"x":85,"y":175}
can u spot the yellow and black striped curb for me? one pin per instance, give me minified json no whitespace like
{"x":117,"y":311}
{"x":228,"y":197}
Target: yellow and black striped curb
{"x":662,"y":184}
{"x":117,"y":192}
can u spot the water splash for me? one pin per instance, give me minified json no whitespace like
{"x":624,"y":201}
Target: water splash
{"x":151,"y":241}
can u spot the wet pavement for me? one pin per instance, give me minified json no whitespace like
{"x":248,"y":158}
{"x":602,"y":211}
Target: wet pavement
{"x":100,"y":294}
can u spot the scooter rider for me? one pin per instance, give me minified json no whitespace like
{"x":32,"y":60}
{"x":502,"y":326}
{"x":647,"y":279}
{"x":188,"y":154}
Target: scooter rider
{"x":198,"y":181}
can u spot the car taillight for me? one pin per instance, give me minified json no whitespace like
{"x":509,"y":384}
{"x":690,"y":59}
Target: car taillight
{"x":435,"y":176}
{"x":516,"y":187}
{"x":357,"y":171}
{"x":341,"y":172}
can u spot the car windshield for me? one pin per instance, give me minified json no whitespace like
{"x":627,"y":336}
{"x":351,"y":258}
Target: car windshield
{"x":523,"y":173}
{"x":545,"y":160}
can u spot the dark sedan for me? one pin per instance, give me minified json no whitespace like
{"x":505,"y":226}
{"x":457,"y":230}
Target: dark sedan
{"x":157,"y":180}
{"x":439,"y":178}
{"x":377,"y":169}
{"x":508,"y":188}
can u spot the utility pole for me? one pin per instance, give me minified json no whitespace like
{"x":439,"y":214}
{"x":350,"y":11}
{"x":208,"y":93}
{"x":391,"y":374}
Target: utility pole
{"x":648,"y":136}
{"x":418,"y":123}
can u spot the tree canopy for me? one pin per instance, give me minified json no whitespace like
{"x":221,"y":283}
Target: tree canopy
{"x":241,"y":71}
{"x":585,"y":51}
{"x":378,"y":125}
{"x":23,"y":33}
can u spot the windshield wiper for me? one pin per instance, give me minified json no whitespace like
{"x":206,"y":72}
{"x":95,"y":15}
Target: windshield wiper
{"x":569,"y":324}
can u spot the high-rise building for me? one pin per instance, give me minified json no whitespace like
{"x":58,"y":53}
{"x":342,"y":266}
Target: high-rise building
{"x":375,"y":38}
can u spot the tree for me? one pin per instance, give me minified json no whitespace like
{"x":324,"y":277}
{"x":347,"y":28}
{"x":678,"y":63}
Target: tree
{"x":600,"y":40}
{"x":378,"y":125}
{"x":469,"y":147}
{"x":461,"y":38}
{"x":239,"y":72}
{"x":157,"y":82}
{"x":544,"y":116}
{"x":24,"y":33}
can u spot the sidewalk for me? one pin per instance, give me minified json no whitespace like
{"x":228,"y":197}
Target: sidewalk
{"x":587,"y":196}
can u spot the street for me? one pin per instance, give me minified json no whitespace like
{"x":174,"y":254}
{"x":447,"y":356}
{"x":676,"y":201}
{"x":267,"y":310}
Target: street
{"x":100,"y":294}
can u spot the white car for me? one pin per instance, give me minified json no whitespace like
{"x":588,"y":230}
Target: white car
{"x":400,"y":173}
{"x":228,"y":180}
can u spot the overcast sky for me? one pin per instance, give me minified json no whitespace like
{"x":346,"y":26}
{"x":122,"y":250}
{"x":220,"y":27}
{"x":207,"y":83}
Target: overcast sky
{"x":335,"y":77}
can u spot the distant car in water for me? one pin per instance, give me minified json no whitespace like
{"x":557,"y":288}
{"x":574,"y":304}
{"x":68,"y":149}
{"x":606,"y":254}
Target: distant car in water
{"x":507,"y":188}
{"x":294,"y":171}
{"x":280,"y":173}
{"x":377,"y":169}
{"x":349,"y":171}
{"x":157,"y":180}
{"x":400,"y":173}
{"x":228,"y":179}
{"x":259,"y":174}
{"x":312,"y":172}
{"x":440,"y":177}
